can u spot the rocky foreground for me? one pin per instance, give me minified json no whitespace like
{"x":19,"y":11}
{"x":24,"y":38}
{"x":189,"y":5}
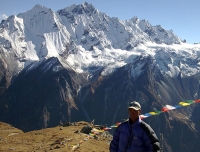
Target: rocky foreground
{"x":71,"y":137}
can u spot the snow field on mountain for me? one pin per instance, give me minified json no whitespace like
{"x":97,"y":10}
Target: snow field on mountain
{"x":90,"y":41}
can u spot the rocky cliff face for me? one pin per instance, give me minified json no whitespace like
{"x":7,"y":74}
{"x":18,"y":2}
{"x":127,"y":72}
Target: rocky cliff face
{"x":40,"y":99}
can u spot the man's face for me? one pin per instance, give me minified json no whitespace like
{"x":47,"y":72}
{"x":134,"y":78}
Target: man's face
{"x":134,"y":114}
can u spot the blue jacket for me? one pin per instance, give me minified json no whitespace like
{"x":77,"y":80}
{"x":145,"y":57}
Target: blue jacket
{"x":131,"y":138}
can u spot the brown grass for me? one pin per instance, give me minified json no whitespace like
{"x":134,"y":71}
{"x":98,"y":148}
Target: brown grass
{"x":57,"y":139}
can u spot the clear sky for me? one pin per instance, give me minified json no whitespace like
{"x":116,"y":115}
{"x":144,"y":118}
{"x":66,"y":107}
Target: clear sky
{"x":182,"y":16}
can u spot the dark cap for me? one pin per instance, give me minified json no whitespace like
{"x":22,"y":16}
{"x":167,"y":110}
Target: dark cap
{"x":134,"y":105}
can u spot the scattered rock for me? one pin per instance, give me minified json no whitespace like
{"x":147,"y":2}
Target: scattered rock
{"x":106,"y":134}
{"x":86,"y":129}
{"x":67,"y":124}
{"x":76,"y":131}
{"x":57,"y":146}
{"x":95,"y":137}
{"x":75,"y":147}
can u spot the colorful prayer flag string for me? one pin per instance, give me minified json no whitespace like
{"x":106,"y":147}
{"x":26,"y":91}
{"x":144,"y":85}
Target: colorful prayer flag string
{"x":166,"y":108}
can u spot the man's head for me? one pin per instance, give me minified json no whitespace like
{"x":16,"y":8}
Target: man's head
{"x":134,"y":105}
{"x":134,"y":110}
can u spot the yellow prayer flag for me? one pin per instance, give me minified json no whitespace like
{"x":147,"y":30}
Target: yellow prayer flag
{"x":184,"y":103}
{"x":153,"y":113}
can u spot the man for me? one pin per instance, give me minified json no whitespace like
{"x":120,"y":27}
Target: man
{"x":134,"y":135}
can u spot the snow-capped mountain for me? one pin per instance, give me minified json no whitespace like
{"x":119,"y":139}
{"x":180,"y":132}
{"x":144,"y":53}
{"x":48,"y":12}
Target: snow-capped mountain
{"x":86,"y":39}
{"x":80,"y":64}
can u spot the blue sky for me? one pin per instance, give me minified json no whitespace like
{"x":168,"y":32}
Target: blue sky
{"x":182,"y":16}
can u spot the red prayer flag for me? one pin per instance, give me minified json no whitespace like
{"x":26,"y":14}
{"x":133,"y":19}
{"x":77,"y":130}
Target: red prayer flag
{"x":164,"y":109}
{"x":197,"y":100}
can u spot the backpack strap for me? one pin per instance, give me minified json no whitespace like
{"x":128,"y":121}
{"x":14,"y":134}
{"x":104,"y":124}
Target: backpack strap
{"x":151,"y":134}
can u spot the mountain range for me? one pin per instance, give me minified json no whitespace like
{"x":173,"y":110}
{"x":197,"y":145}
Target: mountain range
{"x":80,"y":64}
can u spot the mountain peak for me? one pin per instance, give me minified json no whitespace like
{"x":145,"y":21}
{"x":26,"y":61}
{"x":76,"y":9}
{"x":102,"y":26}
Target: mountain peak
{"x":81,"y":9}
{"x":35,"y":10}
{"x":38,"y":6}
{"x":134,"y":19}
{"x":85,"y":7}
